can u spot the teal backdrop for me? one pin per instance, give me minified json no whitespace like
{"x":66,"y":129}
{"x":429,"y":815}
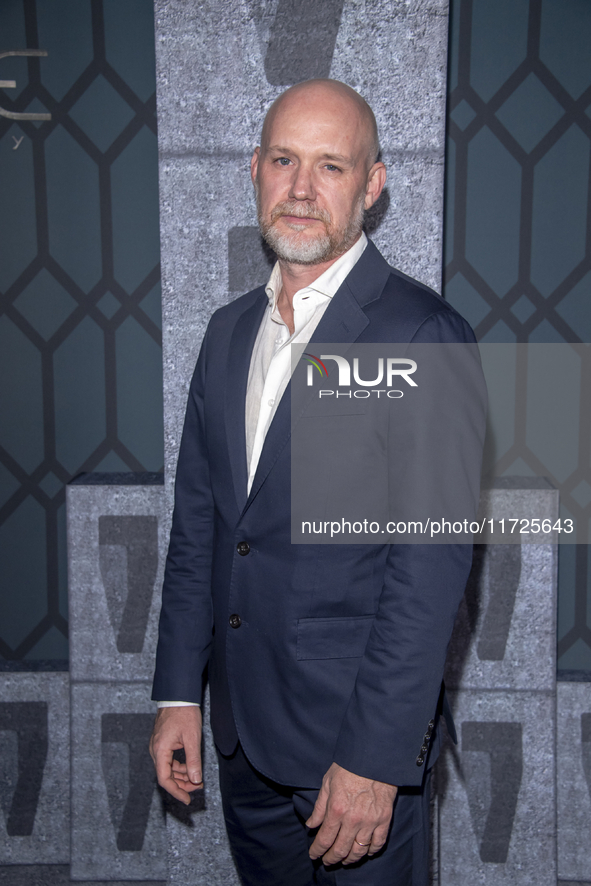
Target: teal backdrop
{"x":518,"y":233}
{"x":80,"y":316}
{"x":80,"y":358}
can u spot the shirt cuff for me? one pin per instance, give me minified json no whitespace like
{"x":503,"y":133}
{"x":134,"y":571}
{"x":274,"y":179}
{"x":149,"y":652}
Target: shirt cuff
{"x":178,"y":704}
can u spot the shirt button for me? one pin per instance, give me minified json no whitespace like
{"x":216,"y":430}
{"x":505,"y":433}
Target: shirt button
{"x":243,"y":548}
{"x":235,"y":621}
{"x":271,"y":402}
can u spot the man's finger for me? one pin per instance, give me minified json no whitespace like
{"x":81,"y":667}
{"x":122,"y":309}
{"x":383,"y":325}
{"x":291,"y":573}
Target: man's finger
{"x":166,"y":781}
{"x":172,"y":781}
{"x":378,"y":838}
{"x":193,"y":758}
{"x":176,"y":728}
{"x":319,"y":810}
{"x":186,"y":785}
{"x":179,"y":768}
{"x":324,"y":839}
{"x":343,"y":846}
{"x":360,"y":847}
{"x":180,"y":790}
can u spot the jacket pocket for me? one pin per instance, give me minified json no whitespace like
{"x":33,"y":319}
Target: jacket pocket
{"x":333,"y":637}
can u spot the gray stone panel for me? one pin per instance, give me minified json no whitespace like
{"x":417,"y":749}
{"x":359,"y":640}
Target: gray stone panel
{"x":195,"y":199}
{"x":505,"y":632}
{"x":220,"y":65}
{"x":434,"y":833}
{"x":395,"y":55}
{"x":34,"y":769}
{"x":118,"y":830}
{"x":198,"y":850}
{"x":215,"y":62}
{"x":302,"y":40}
{"x":497,"y":791}
{"x":55,"y":875}
{"x":249,"y":258}
{"x":212,"y":89}
{"x":517,"y":498}
{"x":573,"y":749}
{"x":116,"y":545}
{"x":410,"y":234}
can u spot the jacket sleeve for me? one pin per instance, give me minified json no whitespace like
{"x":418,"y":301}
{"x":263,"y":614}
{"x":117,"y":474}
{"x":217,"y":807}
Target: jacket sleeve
{"x":186,"y":618}
{"x":385,"y":730}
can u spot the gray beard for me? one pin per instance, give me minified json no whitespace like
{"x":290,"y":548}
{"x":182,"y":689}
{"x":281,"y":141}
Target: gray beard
{"x":325,"y":246}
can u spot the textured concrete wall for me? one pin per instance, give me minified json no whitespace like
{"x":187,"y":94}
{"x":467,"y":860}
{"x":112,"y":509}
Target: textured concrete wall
{"x":497,"y":808}
{"x":116,"y":546}
{"x":573,"y":747}
{"x":505,"y":632}
{"x":116,"y":551}
{"x":219,"y":67}
{"x":34,"y":769}
{"x":118,"y":828}
{"x":497,"y":788}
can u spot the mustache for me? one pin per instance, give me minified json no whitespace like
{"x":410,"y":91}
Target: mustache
{"x":300,"y":210}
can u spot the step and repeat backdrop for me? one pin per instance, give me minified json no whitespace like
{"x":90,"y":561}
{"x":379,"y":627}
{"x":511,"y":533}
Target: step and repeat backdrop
{"x":93,"y":198}
{"x":80,"y":315}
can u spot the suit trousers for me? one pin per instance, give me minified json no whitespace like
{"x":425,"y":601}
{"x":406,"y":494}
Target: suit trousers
{"x":270,"y":842}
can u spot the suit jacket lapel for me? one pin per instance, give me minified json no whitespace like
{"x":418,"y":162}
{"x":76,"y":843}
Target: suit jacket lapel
{"x":344,"y":320}
{"x":241,"y":346}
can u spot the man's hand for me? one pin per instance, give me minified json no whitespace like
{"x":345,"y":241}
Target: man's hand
{"x":352,"y":810}
{"x":175,"y":728}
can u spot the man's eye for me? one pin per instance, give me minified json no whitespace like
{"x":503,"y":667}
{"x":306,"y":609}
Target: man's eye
{"x":283,"y":161}
{"x":332,"y":168}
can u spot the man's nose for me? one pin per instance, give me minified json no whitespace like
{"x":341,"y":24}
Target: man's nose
{"x":302,"y":184}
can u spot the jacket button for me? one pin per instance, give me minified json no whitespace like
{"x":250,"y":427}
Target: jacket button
{"x":426,"y":737}
{"x":243,"y":548}
{"x":431,"y":725}
{"x":424,"y":749}
{"x":420,"y":760}
{"x":235,"y":621}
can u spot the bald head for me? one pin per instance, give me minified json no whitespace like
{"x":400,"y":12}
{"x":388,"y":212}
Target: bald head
{"x":316,"y":172}
{"x":313,"y":97}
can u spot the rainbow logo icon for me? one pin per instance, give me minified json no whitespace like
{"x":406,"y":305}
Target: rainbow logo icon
{"x":317,"y":362}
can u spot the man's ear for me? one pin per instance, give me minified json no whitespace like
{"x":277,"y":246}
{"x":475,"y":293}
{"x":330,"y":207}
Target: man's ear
{"x":376,"y":180}
{"x":254,"y":163}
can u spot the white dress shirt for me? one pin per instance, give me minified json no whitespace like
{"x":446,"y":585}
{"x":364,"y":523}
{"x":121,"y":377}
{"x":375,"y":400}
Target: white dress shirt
{"x":271,"y":364}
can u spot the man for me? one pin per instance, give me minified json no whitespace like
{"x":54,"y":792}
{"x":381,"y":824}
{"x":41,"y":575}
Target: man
{"x":325,"y":662}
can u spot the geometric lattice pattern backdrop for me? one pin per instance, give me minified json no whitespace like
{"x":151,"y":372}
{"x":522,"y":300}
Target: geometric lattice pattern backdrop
{"x":80,"y":361}
{"x":80,"y":339}
{"x":518,"y":227}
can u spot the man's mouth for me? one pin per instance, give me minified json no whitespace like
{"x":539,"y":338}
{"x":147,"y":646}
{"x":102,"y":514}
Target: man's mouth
{"x":299,"y":215}
{"x":299,"y":220}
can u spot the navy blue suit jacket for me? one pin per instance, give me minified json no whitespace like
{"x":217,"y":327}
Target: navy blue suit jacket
{"x":340,"y":651}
